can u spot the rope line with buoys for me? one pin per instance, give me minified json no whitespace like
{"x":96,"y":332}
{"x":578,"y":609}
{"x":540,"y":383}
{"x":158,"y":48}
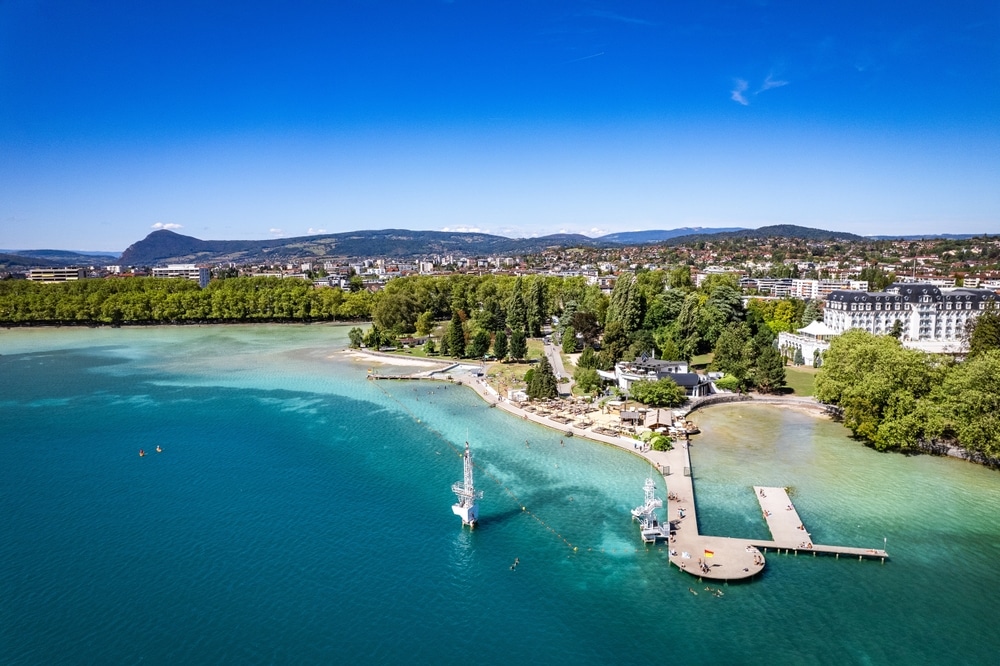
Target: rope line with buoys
{"x":489,"y":474}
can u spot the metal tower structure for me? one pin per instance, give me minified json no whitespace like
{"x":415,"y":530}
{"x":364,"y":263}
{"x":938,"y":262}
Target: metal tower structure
{"x":467,"y":508}
{"x":649,"y":524}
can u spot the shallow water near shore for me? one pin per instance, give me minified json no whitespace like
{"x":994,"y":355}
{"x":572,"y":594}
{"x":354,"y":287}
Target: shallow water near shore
{"x":301,"y":514}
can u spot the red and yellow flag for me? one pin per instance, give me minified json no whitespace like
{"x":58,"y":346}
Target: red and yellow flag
{"x":709,"y":553}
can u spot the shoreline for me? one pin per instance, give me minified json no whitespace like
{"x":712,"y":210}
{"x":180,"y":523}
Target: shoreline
{"x":390,"y":359}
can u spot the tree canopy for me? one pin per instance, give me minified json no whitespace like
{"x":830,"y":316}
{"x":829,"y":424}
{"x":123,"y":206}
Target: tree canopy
{"x":661,"y":393}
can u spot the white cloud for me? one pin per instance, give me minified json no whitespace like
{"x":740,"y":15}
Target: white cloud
{"x":736,"y":94}
{"x":275,"y":232}
{"x":312,"y":231}
{"x":769,"y":83}
{"x":169,"y":225}
{"x":466,"y":230}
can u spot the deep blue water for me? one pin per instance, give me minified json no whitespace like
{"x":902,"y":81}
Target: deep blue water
{"x":300,"y":514}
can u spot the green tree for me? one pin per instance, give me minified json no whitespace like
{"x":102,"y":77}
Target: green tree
{"x":456,"y":335}
{"x":543,"y":381}
{"x":812,"y":313}
{"x":680,"y":278}
{"x":769,"y":370}
{"x":396,"y":311}
{"x":586,"y":325}
{"x":535,"y":307}
{"x":425,"y":323}
{"x":587,"y":379}
{"x":587,"y":359}
{"x":374,"y":338}
{"x":798,"y":358}
{"x":500,"y":345}
{"x":970,"y":403}
{"x":722,"y":308}
{"x":880,"y":386}
{"x":479,"y":346}
{"x":983,"y":332}
{"x":569,"y":340}
{"x":625,"y":306}
{"x":517,"y":316}
{"x":615,"y":341}
{"x":518,"y":347}
{"x":429,"y":347}
{"x":356,"y":336}
{"x":661,"y":393}
{"x":734,"y":354}
{"x":688,"y":336}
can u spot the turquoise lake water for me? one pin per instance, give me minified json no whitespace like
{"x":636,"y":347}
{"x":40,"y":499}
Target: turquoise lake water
{"x":301,"y":514}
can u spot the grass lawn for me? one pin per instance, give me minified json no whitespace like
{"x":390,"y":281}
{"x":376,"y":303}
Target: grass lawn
{"x":801,"y":379}
{"x":701,"y":361}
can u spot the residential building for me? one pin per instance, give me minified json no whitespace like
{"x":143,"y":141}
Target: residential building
{"x":651,"y":369}
{"x":188,"y":271}
{"x":56,"y":274}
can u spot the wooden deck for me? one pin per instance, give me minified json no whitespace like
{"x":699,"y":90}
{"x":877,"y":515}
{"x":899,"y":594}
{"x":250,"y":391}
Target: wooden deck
{"x":729,"y":558}
{"x":789,"y":532}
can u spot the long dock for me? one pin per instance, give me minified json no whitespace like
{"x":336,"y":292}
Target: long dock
{"x":727,"y":558}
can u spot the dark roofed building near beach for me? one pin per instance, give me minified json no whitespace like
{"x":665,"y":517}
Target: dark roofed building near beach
{"x":646,"y":368}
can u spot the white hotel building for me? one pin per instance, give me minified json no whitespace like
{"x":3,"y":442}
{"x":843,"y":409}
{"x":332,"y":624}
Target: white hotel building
{"x":931,"y":318}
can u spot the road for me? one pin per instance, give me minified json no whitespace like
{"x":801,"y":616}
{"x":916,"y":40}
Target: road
{"x":555,"y":359}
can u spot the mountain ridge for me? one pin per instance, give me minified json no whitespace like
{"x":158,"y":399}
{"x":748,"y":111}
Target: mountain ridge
{"x":163,"y":246}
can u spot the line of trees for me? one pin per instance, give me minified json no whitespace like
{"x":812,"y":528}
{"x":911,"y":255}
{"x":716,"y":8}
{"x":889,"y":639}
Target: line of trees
{"x":657,"y":311}
{"x":176,"y":300}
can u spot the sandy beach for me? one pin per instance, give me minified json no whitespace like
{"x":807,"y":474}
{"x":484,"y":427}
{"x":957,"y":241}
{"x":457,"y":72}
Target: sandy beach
{"x":390,"y":359}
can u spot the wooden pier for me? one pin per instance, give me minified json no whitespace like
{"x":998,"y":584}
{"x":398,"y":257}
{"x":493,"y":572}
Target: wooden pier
{"x":727,"y":558}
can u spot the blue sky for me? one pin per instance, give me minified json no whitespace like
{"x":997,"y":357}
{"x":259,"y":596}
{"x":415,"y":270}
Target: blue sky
{"x":255,"y":120}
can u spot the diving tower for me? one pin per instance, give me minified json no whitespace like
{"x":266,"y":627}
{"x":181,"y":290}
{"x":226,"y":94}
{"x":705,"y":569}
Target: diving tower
{"x":649,"y":524}
{"x":467,"y":508}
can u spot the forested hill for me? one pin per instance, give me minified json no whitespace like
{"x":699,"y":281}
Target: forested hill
{"x":168,"y":247}
{"x":660,"y":235}
{"x":772,"y":231}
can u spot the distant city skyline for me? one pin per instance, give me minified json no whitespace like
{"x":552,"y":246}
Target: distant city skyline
{"x":513,"y":118}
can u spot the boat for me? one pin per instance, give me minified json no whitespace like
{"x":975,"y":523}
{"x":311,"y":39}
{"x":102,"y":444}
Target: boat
{"x":467,"y":507}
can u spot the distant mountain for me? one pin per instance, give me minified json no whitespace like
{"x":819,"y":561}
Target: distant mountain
{"x":928,"y":237}
{"x":773,"y":231}
{"x":18,"y":263}
{"x":165,"y":246}
{"x":656,"y":236}
{"x":53,"y":258}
